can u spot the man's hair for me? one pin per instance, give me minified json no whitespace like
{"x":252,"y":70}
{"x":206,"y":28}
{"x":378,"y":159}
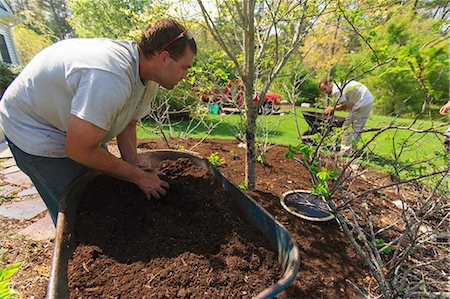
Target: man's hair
{"x":158,"y":34}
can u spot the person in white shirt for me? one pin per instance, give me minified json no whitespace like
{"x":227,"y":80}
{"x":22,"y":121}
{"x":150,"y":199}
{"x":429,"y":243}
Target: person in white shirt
{"x":355,"y":97}
{"x":444,"y":110}
{"x":77,"y":94}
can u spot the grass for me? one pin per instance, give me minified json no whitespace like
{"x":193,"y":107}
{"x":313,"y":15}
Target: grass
{"x":407,"y":145}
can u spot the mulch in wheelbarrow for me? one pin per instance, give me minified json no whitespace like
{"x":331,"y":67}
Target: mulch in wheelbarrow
{"x":192,"y":243}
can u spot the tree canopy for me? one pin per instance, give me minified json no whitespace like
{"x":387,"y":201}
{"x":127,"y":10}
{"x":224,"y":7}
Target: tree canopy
{"x":398,"y":49}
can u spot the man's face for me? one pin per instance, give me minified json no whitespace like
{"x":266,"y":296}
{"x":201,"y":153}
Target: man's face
{"x":176,"y":70}
{"x":326,"y":88}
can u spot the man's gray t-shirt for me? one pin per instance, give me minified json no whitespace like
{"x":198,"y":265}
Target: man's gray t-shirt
{"x":96,"y":80}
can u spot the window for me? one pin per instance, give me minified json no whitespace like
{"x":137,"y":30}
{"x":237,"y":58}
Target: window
{"x":4,"y":50}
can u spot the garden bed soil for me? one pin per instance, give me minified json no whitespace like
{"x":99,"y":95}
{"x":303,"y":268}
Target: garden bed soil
{"x":192,"y":243}
{"x":328,"y":260}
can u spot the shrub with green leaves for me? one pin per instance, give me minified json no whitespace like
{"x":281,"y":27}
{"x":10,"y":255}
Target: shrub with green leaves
{"x":5,"y":280}
{"x":7,"y":74}
{"x":320,"y":177}
{"x":323,"y":177}
{"x":215,"y":160}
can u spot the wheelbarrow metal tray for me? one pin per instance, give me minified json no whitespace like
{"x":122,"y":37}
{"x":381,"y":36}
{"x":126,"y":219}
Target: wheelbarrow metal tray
{"x":318,"y":119}
{"x":276,"y":234}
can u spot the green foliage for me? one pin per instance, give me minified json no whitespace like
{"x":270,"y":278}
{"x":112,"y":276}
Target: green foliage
{"x":261,"y":159}
{"x":243,"y":186}
{"x":305,"y":151}
{"x":320,"y":189}
{"x":323,"y":176}
{"x":215,"y":160}
{"x":211,"y":68}
{"x":35,"y":17}
{"x":113,"y":18}
{"x":420,"y":72}
{"x":319,"y":184}
{"x":5,"y":279}
{"x":182,"y":97}
{"x":29,"y":43}
{"x":7,"y":74}
{"x":380,"y":243}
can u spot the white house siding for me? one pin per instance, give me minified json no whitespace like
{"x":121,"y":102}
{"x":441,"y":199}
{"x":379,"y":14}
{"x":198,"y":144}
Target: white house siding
{"x":7,"y":19}
{"x":6,"y":32}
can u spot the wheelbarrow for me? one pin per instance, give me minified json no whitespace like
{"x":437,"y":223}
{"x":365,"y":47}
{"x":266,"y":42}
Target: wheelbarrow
{"x":278,"y":237}
{"x":317,"y":121}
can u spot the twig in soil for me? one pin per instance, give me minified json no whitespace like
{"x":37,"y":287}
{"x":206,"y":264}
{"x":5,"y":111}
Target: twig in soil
{"x":84,"y":267}
{"x":184,"y":262}
{"x":356,"y":288}
{"x":153,"y":278}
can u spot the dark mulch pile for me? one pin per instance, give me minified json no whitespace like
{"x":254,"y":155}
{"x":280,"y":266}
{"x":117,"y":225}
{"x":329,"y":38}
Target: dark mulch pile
{"x":193,"y":243}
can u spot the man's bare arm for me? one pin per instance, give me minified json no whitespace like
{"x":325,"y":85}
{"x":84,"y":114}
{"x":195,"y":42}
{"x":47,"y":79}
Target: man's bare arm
{"x":83,"y":145}
{"x":127,"y":142}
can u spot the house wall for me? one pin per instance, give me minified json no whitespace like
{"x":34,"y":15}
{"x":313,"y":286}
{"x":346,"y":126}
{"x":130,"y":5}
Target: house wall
{"x":6,"y":32}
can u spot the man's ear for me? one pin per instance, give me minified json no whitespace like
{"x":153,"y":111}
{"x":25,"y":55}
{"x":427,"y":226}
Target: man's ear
{"x":163,"y":57}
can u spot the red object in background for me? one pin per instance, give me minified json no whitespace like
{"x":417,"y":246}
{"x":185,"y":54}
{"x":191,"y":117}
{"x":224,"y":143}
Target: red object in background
{"x":275,"y":97}
{"x":234,"y":92}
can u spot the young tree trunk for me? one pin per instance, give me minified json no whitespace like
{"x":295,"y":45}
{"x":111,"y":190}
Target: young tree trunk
{"x":249,"y":77}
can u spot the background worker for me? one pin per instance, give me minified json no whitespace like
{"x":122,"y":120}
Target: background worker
{"x":78,"y":94}
{"x":444,"y":110}
{"x":355,"y":97}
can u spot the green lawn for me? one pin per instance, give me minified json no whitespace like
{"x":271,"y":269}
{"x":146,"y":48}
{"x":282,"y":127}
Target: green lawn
{"x":409,"y":146}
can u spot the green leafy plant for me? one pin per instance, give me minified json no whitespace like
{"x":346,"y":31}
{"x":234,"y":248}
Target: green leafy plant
{"x":5,"y":280}
{"x":305,"y":151}
{"x":323,"y":176}
{"x":261,"y":159}
{"x":215,"y":160}
{"x":319,"y":183}
{"x":243,"y":186}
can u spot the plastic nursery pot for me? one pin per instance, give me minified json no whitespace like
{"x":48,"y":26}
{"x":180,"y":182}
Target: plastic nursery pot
{"x":306,"y":205}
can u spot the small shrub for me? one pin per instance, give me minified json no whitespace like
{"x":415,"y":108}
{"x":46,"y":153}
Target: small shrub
{"x":261,"y":159}
{"x":215,"y":160}
{"x":243,"y":186}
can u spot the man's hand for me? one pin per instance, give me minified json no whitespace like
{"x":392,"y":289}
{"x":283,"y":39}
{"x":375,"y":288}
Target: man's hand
{"x":444,"y":109}
{"x":328,"y":110}
{"x":151,"y":184}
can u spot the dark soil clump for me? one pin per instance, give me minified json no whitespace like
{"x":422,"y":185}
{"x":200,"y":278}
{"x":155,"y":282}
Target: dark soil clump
{"x":192,"y":243}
